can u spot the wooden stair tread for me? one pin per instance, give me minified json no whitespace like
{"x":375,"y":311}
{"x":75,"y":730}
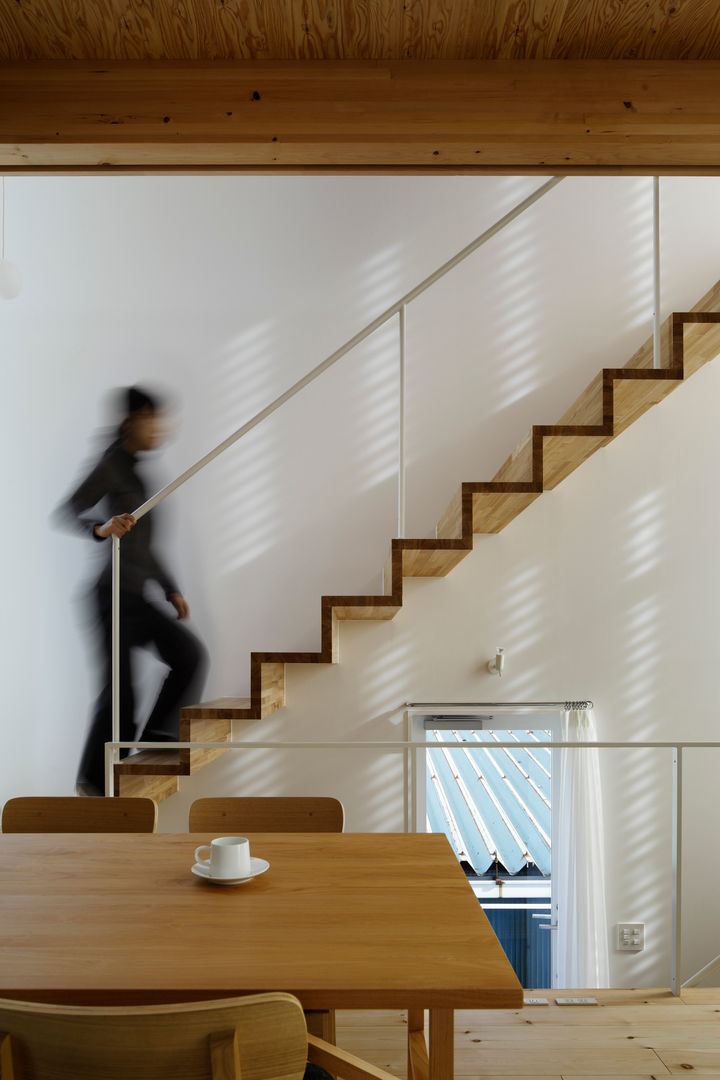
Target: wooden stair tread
{"x":227,"y":708}
{"x":152,"y":763}
{"x":434,"y":558}
{"x":224,"y":703}
{"x":346,"y":612}
{"x":360,"y":607}
{"x":157,"y":787}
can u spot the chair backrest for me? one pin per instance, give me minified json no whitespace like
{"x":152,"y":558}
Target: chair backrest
{"x":240,"y":815}
{"x":50,"y":814}
{"x":262,"y":1037}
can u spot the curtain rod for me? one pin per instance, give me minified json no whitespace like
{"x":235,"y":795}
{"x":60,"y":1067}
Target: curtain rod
{"x":566,"y":705}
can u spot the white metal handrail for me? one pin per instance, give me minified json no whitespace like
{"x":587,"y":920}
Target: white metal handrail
{"x":398,"y":308}
{"x":409,"y":745}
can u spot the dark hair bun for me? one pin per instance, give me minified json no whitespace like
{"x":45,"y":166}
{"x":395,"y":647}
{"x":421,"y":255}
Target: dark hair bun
{"x":136,"y":398}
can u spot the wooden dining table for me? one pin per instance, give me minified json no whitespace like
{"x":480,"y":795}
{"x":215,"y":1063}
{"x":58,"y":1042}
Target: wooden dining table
{"x":341,"y":920}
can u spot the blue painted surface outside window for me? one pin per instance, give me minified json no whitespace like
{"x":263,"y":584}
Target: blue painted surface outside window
{"x":494,"y":806}
{"x":523,"y":930}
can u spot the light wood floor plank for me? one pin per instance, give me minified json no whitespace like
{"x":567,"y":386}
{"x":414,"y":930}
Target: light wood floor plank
{"x":703,"y":1062}
{"x":701,"y":995}
{"x":515,"y":1059}
{"x":699,"y":1034}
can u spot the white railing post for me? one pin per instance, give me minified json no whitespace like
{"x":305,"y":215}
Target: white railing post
{"x":407,"y":766}
{"x":401,"y":429}
{"x":677,"y":795}
{"x":656,"y":272}
{"x":112,"y":757}
{"x":414,"y":785}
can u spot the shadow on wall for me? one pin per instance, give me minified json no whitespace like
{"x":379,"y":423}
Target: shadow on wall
{"x":641,"y":781}
{"x":523,"y":326}
{"x":325,"y":492}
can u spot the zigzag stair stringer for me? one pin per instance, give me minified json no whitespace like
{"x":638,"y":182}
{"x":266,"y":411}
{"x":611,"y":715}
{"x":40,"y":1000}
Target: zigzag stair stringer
{"x":614,"y":399}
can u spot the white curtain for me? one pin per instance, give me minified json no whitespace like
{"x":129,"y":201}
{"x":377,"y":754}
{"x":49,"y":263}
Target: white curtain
{"x":579,"y":877}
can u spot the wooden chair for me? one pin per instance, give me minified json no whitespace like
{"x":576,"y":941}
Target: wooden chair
{"x":261,"y":1037}
{"x":240,"y":815}
{"x":51,"y":814}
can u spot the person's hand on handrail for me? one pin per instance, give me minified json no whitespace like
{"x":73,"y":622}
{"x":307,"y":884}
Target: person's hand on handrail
{"x":180,"y":604}
{"x":118,"y":526}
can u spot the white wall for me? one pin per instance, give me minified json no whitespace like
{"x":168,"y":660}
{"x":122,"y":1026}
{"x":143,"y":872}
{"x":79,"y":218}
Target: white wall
{"x":228,"y":289}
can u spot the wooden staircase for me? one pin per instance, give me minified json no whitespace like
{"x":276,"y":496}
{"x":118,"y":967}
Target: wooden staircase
{"x":613,"y":400}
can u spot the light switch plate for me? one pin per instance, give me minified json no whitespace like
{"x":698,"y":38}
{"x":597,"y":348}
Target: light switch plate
{"x":631,"y":936}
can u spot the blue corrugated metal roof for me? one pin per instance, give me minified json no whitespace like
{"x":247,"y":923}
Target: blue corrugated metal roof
{"x":494,"y":805}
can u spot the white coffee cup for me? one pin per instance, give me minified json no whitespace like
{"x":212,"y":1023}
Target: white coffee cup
{"x":229,"y":857}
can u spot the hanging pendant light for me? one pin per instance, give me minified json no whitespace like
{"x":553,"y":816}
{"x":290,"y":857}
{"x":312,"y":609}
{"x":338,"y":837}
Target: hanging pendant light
{"x":10,"y":279}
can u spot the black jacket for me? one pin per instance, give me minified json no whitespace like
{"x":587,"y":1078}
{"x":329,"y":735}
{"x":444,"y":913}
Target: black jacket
{"x":114,"y":487}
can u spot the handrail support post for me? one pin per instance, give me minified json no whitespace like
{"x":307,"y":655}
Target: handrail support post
{"x":401,"y":428}
{"x":677,"y":808}
{"x":112,"y":755}
{"x":656,"y":272}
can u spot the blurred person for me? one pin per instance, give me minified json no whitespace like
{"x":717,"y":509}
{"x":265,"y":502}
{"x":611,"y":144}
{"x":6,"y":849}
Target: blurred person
{"x":101,"y":508}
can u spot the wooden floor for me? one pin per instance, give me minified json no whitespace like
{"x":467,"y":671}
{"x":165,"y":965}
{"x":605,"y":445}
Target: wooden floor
{"x":638,"y":1034}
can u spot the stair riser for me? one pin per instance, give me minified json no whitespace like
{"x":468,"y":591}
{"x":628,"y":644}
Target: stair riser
{"x":192,"y":730}
{"x":492,"y":512}
{"x":158,"y":788}
{"x":431,"y":562}
{"x":272,"y":688}
{"x":632,"y":399}
{"x":562,"y":454}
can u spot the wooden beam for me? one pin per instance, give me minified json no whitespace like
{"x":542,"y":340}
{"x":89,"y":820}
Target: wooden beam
{"x":549,"y":116}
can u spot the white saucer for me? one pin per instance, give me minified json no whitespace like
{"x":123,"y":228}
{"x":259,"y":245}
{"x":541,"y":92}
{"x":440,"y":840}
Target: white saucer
{"x":257,"y":866}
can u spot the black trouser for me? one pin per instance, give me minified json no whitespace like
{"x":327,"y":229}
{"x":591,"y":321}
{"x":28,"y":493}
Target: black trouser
{"x":142,"y":624}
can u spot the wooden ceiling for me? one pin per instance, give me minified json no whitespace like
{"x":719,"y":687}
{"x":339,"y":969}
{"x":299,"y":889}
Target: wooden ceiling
{"x":421,"y":85}
{"x":191,"y":30}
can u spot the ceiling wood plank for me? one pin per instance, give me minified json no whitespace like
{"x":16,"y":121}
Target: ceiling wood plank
{"x":359,"y":29}
{"x":639,"y":30}
{"x":529,"y":31}
{"x":553,"y":115}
